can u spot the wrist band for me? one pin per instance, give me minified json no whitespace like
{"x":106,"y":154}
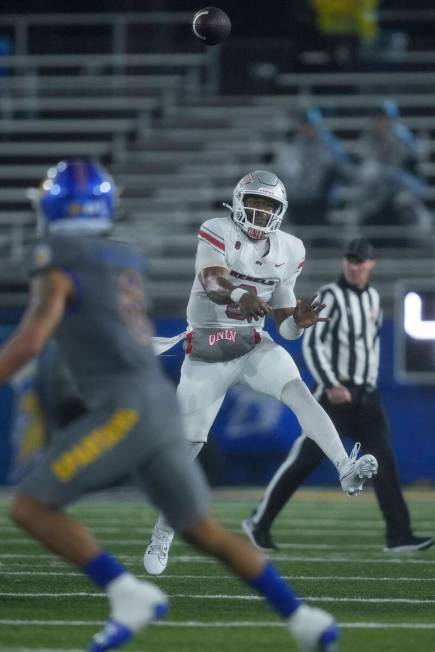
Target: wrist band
{"x":237,"y":294}
{"x":289,"y":329}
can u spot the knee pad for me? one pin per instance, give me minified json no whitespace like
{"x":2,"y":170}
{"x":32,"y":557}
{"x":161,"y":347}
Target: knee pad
{"x":297,"y":393}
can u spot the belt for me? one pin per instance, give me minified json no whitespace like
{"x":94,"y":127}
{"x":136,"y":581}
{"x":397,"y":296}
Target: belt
{"x":363,"y":389}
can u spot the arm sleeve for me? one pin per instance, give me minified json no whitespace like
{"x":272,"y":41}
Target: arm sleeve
{"x":52,"y":253}
{"x":314,"y":347}
{"x":284,"y":295}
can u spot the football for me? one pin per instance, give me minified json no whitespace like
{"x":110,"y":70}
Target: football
{"x":211,"y":25}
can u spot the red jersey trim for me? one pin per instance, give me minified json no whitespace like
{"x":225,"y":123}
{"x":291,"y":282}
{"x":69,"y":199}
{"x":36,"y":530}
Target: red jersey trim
{"x":211,"y":240}
{"x":188,"y":343}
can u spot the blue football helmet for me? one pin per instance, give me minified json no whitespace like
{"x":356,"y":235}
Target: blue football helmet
{"x":77,"y":196}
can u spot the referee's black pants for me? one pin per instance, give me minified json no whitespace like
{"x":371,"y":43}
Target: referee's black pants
{"x":362,"y":420}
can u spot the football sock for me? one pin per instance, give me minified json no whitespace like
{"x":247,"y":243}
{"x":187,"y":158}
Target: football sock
{"x":314,"y":421}
{"x":277,"y":593}
{"x":133,"y":603}
{"x":103,"y":569}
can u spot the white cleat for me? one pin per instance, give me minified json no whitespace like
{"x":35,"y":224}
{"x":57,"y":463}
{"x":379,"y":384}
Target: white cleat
{"x":354,"y":472}
{"x":314,"y":630}
{"x":156,"y":555}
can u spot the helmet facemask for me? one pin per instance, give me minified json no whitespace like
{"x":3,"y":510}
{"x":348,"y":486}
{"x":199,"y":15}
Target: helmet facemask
{"x":258,"y":214}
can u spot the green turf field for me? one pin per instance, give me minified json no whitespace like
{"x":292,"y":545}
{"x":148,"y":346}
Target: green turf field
{"x":330,"y":548}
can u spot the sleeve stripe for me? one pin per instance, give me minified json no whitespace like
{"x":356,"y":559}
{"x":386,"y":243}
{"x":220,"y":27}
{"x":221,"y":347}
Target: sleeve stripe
{"x":301,"y":264}
{"x":211,"y":239}
{"x":211,"y":232}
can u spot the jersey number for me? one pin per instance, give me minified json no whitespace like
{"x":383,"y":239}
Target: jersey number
{"x":233,"y":310}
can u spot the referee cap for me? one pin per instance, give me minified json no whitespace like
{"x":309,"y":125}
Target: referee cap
{"x":361,"y":249}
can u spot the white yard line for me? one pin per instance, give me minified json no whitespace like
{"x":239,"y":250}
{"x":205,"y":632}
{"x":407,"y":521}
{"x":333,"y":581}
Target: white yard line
{"x":197,"y":624}
{"x":316,"y":578}
{"x":288,"y":530}
{"x":53,"y":649}
{"x":289,"y":546}
{"x":42,"y":556}
{"x":344,"y":578}
{"x":286,"y":523}
{"x":192,"y":559}
{"x":388,"y":559}
{"x":340,"y":578}
{"x":286,"y":519}
{"x":204,"y":596}
{"x":43,"y":573}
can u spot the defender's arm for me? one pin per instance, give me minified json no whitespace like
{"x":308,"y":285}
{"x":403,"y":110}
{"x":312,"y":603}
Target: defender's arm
{"x":49,"y":294}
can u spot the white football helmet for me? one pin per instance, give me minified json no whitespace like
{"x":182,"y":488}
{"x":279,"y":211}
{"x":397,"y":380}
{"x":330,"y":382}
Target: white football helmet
{"x":260,"y":183}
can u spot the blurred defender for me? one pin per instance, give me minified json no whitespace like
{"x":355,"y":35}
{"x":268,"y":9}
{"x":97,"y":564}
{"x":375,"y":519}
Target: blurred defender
{"x":89,"y":292}
{"x":246,"y":268}
{"x":45,"y":400}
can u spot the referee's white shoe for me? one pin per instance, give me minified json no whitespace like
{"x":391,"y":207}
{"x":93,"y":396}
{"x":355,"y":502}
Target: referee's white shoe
{"x":314,"y":630}
{"x":156,"y":555}
{"x":354,"y":472}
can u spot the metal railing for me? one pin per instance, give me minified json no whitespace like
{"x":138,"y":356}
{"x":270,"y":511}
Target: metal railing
{"x":172,"y":274}
{"x":116,"y":23}
{"x":118,"y":26}
{"x":197,"y":71}
{"x":384,"y":80}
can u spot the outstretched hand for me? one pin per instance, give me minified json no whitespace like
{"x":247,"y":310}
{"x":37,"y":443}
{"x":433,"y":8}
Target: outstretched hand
{"x":307,"y":312}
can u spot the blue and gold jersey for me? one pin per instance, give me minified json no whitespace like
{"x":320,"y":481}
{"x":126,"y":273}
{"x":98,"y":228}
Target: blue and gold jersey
{"x":105,"y":335}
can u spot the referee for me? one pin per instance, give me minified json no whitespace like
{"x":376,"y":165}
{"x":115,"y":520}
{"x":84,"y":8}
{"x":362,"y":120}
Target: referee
{"x":343,"y":357}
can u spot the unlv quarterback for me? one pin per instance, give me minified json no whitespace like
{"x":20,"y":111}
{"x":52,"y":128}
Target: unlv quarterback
{"x":246,"y":268}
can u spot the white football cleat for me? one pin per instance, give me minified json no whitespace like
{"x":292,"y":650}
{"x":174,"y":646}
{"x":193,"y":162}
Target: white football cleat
{"x":134,"y":604}
{"x":156,"y":555}
{"x":314,"y":630}
{"x":353,"y":472}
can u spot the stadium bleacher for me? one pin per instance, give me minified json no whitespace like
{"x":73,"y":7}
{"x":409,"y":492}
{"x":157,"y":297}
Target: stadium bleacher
{"x":177,"y":159}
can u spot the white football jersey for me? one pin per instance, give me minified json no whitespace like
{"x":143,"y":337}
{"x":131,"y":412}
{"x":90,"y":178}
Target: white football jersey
{"x":271,"y":275}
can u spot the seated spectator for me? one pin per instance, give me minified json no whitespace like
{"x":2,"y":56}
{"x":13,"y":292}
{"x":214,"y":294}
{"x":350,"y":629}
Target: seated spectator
{"x":390,"y":189}
{"x":346,"y":26}
{"x":310,"y":165}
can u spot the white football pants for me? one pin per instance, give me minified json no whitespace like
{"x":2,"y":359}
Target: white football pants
{"x":268,"y":369}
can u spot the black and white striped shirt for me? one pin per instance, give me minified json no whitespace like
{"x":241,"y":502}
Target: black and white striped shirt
{"x":345,"y":349}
